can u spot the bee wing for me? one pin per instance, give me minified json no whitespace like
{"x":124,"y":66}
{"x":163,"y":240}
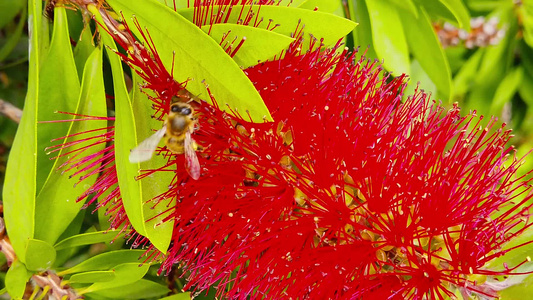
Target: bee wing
{"x":191,"y":160}
{"x":146,"y":148}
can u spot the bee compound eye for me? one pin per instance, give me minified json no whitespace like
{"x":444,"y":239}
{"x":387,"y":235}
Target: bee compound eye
{"x":174,"y":108}
{"x":186,"y":111}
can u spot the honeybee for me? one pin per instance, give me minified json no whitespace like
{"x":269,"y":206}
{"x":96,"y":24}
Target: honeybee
{"x":176,"y":133}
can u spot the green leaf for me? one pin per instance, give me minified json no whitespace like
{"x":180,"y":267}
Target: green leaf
{"x":92,"y":277}
{"x":388,"y":36}
{"x":327,"y":6}
{"x":59,"y":196}
{"x":125,"y":140}
{"x":506,"y":90}
{"x":526,"y":9}
{"x":59,"y":91}
{"x":406,"y":5}
{"x":197,"y":57}
{"x":82,"y":51}
{"x":460,"y":12}
{"x":525,"y":89}
{"x":290,"y":3}
{"x":426,"y":48}
{"x":260,"y":44}
{"x":142,"y":289}
{"x":518,"y":291}
{"x":19,"y":187}
{"x":125,"y":274}
{"x":158,"y":232}
{"x":494,"y":65}
{"x":16,"y":278}
{"x":39,"y":255}
{"x":513,"y":258}
{"x":105,"y":261}
{"x":181,"y":296}
{"x":438,"y":10}
{"x":466,"y":76}
{"x":419,"y":79}
{"x":326,"y":27}
{"x":73,"y":229}
{"x":87,"y":239}
{"x":14,"y":37}
{"x":8,"y":11}
{"x":363,"y":33}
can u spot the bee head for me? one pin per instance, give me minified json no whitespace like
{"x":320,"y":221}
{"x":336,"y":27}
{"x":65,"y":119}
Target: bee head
{"x":181,"y":108}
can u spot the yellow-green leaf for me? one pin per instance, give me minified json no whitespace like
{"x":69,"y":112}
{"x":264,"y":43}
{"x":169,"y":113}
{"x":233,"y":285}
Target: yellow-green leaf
{"x":388,"y":36}
{"x":196,"y":56}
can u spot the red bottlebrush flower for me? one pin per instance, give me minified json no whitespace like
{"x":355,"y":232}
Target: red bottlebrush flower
{"x":351,"y":193}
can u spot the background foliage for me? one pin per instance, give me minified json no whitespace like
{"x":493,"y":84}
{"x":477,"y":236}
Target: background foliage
{"x":493,"y":77}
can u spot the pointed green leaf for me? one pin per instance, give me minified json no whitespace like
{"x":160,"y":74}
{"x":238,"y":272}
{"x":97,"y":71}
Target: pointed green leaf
{"x":180,"y":296}
{"x":84,"y":48}
{"x":125,"y":274}
{"x":362,"y":35}
{"x":506,"y":90}
{"x":14,"y":37}
{"x":128,"y":134}
{"x":142,"y":289}
{"x":125,"y":139}
{"x":16,"y":278}
{"x":427,"y":49}
{"x":328,"y":6}
{"x":39,"y":255}
{"x":58,"y":197}
{"x":106,"y":261}
{"x":87,"y":239}
{"x":437,"y":10}
{"x":388,"y":37}
{"x":59,"y":91}
{"x":197,"y":57}
{"x":494,"y":65}
{"x":19,"y":187}
{"x":466,"y":76}
{"x":158,"y":232}
{"x":406,"y":5}
{"x":459,"y":10}
{"x":260,"y":44}
{"x":8,"y":11}
{"x":92,"y":277}
{"x":418,"y":78}
{"x":526,"y":89}
{"x":323,"y":26}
